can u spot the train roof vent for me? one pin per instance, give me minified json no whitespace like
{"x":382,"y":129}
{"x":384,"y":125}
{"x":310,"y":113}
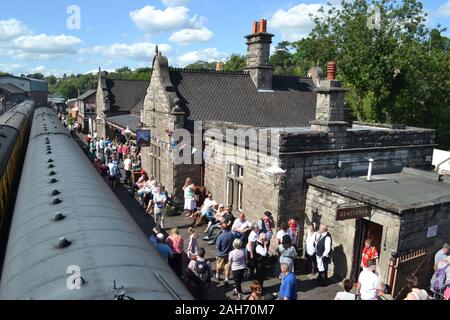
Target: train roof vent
{"x":56,"y":200}
{"x":63,"y":243}
{"x":50,"y":160}
{"x":59,"y":216}
{"x":51,"y":166}
{"x":2,"y":135}
{"x":55,"y":192}
{"x":53,"y":180}
{"x":49,"y":152}
{"x":51,"y":173}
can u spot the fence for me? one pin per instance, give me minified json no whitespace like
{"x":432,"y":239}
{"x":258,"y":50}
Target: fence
{"x":412,"y":263}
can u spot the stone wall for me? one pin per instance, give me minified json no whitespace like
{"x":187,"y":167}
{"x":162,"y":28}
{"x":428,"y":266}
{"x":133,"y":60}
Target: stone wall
{"x":321,"y":206}
{"x":413,"y":234}
{"x":259,"y":192}
{"x":161,"y":116}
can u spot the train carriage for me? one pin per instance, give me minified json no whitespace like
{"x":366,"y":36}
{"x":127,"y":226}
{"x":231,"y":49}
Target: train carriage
{"x":70,"y":237}
{"x":14,"y":130}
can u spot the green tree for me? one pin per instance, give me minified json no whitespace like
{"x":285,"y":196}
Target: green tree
{"x":51,"y":80}
{"x":397,"y":72}
{"x":236,"y":62}
{"x":37,"y":75}
{"x":202,"y":65}
{"x":282,"y":59}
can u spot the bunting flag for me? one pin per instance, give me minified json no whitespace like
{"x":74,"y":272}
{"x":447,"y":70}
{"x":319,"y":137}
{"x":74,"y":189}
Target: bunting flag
{"x":194,"y":150}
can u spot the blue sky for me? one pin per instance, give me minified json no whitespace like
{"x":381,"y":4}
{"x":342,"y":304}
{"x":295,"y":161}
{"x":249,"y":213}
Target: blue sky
{"x":34,"y":36}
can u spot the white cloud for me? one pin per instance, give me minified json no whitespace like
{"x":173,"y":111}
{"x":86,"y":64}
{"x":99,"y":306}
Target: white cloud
{"x":296,"y":22}
{"x":39,"y":69}
{"x":151,"y":20}
{"x":444,"y":10}
{"x":47,"y":44}
{"x":187,"y":36}
{"x":175,"y":3}
{"x":136,"y":51}
{"x":11,"y":29}
{"x":11,"y":67}
{"x":208,"y":55}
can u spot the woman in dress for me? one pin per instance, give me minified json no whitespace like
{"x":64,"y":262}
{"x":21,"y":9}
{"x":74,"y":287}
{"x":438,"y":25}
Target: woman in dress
{"x":189,"y":197}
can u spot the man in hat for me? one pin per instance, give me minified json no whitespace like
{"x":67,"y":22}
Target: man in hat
{"x":266,"y":226}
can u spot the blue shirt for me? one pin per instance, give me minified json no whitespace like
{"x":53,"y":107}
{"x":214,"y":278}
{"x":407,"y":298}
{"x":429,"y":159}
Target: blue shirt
{"x":164,"y":251}
{"x":153,"y":240}
{"x":287,"y":288}
{"x":224,"y":243}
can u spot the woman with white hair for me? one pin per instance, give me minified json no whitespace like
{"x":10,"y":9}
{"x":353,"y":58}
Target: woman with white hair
{"x":237,"y":261}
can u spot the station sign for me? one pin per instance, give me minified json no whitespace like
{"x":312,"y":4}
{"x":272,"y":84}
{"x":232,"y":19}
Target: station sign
{"x":353,"y":213}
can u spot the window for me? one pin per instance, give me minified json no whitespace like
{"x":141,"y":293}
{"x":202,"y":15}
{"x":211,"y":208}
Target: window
{"x":235,"y":186}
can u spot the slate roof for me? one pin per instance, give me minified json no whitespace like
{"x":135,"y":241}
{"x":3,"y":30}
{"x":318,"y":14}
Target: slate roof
{"x":11,"y":89}
{"x":403,"y":192}
{"x":125,"y":95}
{"x":233,"y":97}
{"x":87,"y":94}
{"x":125,"y":120}
{"x":138,"y":108}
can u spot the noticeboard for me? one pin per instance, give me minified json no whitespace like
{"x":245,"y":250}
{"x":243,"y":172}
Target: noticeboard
{"x":143,"y":138}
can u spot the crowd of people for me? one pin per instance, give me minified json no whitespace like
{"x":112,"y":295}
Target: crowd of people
{"x":369,"y":286}
{"x":243,"y":247}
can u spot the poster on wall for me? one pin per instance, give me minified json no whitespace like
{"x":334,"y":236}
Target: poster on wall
{"x":143,"y":138}
{"x":432,"y":231}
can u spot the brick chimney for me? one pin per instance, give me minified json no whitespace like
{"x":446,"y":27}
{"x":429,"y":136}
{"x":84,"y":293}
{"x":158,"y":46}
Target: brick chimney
{"x":331,"y":113}
{"x":258,"y":55}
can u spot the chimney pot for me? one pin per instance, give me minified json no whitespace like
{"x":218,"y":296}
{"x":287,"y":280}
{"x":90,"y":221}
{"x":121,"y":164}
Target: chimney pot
{"x":331,"y":70}
{"x":263,"y":26}
{"x":255,"y":27}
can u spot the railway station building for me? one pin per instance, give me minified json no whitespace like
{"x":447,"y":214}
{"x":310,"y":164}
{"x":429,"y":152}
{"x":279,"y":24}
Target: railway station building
{"x":118,"y":104}
{"x":402,"y":213}
{"x":36,"y":89}
{"x":304,"y":119}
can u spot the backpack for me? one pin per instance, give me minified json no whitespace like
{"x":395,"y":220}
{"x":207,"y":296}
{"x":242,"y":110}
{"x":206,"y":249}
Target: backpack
{"x":439,"y":279}
{"x":202,"y":272}
{"x":108,"y":151}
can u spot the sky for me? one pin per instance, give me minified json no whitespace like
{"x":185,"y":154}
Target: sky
{"x":79,"y":36}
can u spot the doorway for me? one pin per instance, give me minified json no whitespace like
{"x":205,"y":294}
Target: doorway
{"x":365,"y":229}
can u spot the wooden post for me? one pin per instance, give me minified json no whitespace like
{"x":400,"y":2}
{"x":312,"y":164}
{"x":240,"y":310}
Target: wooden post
{"x":392,"y":271}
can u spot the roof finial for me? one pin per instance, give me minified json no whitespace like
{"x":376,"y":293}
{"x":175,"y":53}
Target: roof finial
{"x":156,"y":50}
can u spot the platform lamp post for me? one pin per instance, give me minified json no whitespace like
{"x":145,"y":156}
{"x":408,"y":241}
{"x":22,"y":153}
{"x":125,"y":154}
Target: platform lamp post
{"x":275,"y":173}
{"x":128,"y":133}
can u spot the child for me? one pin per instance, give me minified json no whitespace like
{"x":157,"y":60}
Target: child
{"x":293,"y":231}
{"x":193,"y":244}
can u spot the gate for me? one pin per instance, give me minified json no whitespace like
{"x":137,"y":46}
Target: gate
{"x":412,"y":263}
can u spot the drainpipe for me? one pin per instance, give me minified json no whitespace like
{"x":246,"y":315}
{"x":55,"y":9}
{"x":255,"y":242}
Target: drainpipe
{"x":369,"y":172}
